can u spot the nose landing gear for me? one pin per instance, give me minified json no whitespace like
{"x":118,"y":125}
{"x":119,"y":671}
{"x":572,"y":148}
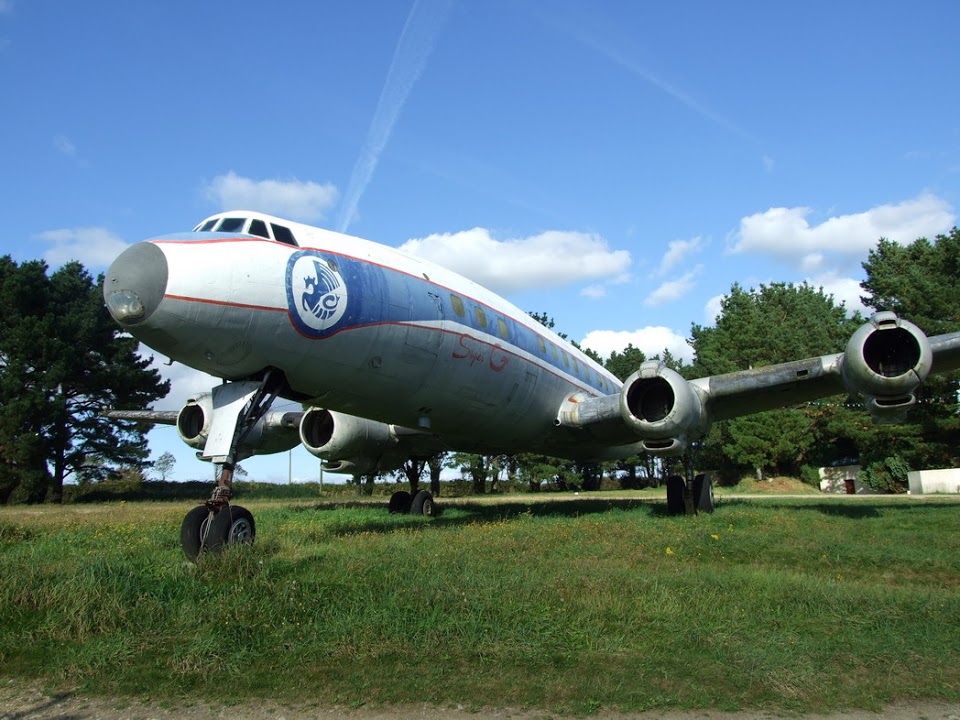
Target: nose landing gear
{"x":215,"y":524}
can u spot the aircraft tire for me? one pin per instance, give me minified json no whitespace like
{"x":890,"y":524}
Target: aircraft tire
{"x":423,"y":504}
{"x":193,"y":531}
{"x":400,"y":502}
{"x":233,"y":525}
{"x":703,"y":493}
{"x":675,"y":495}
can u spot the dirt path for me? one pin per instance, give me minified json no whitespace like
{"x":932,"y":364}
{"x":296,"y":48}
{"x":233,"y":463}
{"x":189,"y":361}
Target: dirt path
{"x":22,"y":702}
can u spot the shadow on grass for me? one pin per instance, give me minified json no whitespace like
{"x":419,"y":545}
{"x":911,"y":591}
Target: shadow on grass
{"x":843,"y":506}
{"x":467,"y":513}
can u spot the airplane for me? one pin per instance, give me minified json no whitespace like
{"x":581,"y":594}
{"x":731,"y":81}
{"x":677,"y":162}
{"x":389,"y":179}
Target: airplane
{"x":393,"y":356}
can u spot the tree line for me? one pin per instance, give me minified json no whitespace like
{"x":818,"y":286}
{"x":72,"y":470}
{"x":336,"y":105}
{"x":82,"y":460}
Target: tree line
{"x":62,"y":359}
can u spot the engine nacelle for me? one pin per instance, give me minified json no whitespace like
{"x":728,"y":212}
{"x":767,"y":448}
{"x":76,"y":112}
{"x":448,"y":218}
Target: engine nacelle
{"x":885,"y":361}
{"x":663,"y":409}
{"x":347,"y":443}
{"x":274,"y":432}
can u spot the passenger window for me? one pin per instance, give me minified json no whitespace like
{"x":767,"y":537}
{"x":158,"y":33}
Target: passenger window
{"x":553,"y":351}
{"x":457,"y":304}
{"x":543,"y":345}
{"x":283,"y":234}
{"x":576,"y":366}
{"x":502,"y":327}
{"x":566,"y":360}
{"x":480,"y":315}
{"x":230,"y":225}
{"x":259,"y":228}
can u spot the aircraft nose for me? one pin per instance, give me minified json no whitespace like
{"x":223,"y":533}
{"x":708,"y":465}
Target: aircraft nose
{"x":135,"y":283}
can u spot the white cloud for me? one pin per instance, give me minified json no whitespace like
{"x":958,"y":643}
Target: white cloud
{"x":673,"y":290}
{"x":713,"y":308}
{"x":95,"y":247}
{"x":787,"y":234}
{"x":293,"y":199}
{"x":678,"y":251}
{"x":844,"y":289}
{"x":63,"y":143}
{"x":652,"y":340}
{"x":548,"y":260}
{"x":768,"y":163}
{"x":594,"y":292}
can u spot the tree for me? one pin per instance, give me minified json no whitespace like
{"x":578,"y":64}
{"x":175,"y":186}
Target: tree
{"x":62,"y":359}
{"x":624,"y":364}
{"x":164,"y":465}
{"x":777,"y":323}
{"x":477,"y":467}
{"x":920,"y":282}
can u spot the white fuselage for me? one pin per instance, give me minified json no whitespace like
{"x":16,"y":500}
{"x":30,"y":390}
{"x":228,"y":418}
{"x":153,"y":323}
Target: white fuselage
{"x":364,"y":329}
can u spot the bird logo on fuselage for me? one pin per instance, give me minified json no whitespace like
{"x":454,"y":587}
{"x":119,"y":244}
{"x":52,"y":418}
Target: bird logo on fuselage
{"x":322,"y":294}
{"x":316,"y":293}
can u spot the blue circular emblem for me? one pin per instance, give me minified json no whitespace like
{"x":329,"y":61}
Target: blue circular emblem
{"x":316,"y":293}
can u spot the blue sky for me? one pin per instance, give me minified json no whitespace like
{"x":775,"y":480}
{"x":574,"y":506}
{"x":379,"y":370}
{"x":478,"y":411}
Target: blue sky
{"x":618,"y":165}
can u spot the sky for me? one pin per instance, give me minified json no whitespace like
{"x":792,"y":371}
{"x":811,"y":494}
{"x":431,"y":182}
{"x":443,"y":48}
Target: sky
{"x":616,"y":165}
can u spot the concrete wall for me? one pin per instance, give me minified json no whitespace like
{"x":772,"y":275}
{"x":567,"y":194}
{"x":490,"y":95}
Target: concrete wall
{"x":842,"y":480}
{"x":934,"y":481}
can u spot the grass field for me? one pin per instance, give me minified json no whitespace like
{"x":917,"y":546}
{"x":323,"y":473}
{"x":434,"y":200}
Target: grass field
{"x":569,"y":606}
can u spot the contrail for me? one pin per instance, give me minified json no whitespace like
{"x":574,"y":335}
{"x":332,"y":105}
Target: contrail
{"x":416,"y":42}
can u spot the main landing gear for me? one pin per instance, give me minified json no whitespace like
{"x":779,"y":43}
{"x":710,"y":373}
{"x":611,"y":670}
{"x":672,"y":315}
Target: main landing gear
{"x":691,"y":495}
{"x":403,"y":503}
{"x":215,"y":524}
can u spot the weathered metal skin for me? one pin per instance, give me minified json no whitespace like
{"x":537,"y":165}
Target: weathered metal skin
{"x":274,"y":432}
{"x":392,"y":349}
{"x":663,"y":409}
{"x":885,"y":362}
{"x":396,"y":349}
{"x":339,"y":438}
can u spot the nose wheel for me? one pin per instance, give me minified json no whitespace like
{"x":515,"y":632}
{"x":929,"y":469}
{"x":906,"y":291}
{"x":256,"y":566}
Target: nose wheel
{"x":203,"y":530}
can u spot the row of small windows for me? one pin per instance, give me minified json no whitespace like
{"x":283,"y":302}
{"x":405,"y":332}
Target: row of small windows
{"x":250,"y":226}
{"x":460,"y":309}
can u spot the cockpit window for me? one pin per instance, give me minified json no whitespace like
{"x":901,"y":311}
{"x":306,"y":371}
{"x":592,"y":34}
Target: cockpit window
{"x":231,"y":225}
{"x":259,"y":228}
{"x":208,"y":225}
{"x":283,"y":234}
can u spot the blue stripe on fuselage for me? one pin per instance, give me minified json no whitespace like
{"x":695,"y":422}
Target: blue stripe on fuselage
{"x":373,"y":294}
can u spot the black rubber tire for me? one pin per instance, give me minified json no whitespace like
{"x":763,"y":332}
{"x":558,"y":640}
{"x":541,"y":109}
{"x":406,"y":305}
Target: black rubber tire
{"x":703,"y":493}
{"x":423,"y":504}
{"x":233,"y":525}
{"x":675,"y":495}
{"x":193,"y":530}
{"x":400,"y":502}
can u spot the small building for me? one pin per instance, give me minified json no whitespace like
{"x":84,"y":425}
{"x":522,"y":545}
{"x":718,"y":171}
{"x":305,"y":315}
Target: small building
{"x":844,"y":480}
{"x":924,"y":482}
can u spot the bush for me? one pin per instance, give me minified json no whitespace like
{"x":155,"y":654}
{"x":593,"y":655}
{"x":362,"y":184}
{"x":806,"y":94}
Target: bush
{"x":887,"y":475}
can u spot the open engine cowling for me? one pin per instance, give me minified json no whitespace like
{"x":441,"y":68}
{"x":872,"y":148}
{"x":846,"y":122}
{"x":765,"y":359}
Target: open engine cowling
{"x":274,"y":432}
{"x":662,"y":408}
{"x":346,"y":443}
{"x":885,"y":361}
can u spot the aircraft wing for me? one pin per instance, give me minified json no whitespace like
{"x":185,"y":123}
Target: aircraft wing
{"x":154,"y":417}
{"x":884,"y":363}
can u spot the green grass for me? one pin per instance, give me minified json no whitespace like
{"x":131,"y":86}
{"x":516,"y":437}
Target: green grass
{"x":569,"y":606}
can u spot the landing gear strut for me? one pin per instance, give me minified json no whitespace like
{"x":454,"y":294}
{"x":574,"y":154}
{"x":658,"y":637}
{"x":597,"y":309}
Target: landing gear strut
{"x":215,"y":524}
